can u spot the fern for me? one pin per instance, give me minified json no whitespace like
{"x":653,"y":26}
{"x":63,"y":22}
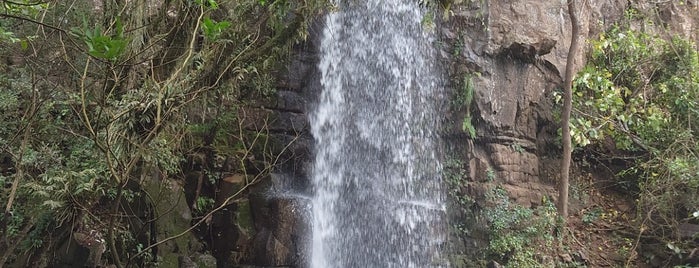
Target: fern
{"x":467,"y":127}
{"x":466,"y":99}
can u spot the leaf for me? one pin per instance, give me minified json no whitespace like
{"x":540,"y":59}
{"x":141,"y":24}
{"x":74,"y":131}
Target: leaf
{"x":119,"y":28}
{"x":212,"y":4}
{"x":467,"y":126}
{"x":213,"y":29}
{"x":53,"y":204}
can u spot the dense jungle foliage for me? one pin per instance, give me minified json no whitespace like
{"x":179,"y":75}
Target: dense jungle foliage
{"x":98,"y":98}
{"x":636,"y":105}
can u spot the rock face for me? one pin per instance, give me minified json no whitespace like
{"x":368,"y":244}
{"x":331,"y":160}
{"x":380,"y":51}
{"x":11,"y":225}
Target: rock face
{"x":281,"y":232}
{"x":517,"y":49}
{"x":515,"y":52}
{"x":279,"y":216}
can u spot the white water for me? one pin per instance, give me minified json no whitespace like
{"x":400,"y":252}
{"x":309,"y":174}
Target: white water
{"x":377,"y":187}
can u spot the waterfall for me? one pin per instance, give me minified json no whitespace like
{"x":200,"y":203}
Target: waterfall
{"x":376,"y":177}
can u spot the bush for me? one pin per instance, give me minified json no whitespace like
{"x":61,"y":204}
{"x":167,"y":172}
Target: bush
{"x":642,"y":93}
{"x":518,"y":234}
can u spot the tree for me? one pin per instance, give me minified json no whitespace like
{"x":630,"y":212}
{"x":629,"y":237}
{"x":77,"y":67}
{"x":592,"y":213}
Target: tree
{"x":102,"y":102}
{"x":567,"y":107}
{"x":636,"y":106}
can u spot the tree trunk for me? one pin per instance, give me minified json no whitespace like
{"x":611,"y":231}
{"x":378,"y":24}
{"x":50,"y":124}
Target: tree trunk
{"x":567,"y":106}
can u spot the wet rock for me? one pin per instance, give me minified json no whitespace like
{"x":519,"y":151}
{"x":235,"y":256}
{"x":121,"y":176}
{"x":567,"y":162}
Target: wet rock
{"x":282,"y":231}
{"x":295,"y":158}
{"x":290,"y":101}
{"x":262,"y":119}
{"x":296,"y":75}
{"x":284,"y":101}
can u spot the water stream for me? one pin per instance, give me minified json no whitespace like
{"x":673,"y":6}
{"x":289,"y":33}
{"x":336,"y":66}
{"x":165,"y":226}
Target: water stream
{"x":377,"y":198}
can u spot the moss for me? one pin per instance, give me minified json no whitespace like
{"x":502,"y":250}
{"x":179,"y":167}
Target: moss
{"x":175,"y":222}
{"x":244,"y":216}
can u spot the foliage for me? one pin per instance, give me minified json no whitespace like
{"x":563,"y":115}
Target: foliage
{"x":455,"y":177}
{"x":100,"y":45}
{"x":464,"y":100}
{"x":213,"y":29}
{"x":518,"y":234}
{"x":642,"y":92}
{"x":592,"y":215}
{"x":107,"y":101}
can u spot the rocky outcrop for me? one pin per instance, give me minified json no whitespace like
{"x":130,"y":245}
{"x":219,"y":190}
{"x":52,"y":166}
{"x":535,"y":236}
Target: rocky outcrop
{"x":509,"y":48}
{"x":268,"y":226}
{"x":519,"y":49}
{"x":515,"y":52}
{"x":281,"y":231}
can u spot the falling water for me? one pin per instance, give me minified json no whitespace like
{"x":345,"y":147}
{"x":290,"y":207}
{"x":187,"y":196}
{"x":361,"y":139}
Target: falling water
{"x":376,"y":174}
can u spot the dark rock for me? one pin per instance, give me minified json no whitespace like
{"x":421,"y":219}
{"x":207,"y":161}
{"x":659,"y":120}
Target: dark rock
{"x":524,"y":52}
{"x":688,"y":230}
{"x":283,"y":101}
{"x":297,"y":72}
{"x":494,"y":264}
{"x":186,"y":262}
{"x":172,"y":200}
{"x":281,"y":239}
{"x":294,"y":157}
{"x":580,"y":257}
{"x":290,"y":101}
{"x":261,"y":119}
{"x":205,"y":260}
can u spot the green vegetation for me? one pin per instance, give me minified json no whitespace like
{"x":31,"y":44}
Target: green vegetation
{"x":99,"y":97}
{"x":642,"y":93}
{"x":519,"y":234}
{"x":455,"y":177}
{"x":466,"y":99}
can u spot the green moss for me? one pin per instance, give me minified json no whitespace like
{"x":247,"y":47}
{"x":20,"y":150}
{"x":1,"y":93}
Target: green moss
{"x":244,"y":216}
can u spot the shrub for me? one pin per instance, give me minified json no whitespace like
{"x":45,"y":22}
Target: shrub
{"x":642,"y":93}
{"x":518,"y":233}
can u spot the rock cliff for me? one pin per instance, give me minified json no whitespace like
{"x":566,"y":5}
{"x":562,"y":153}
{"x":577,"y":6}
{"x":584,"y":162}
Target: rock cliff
{"x":515,"y":53}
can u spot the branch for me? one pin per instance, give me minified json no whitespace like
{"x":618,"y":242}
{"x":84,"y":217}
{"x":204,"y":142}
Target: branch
{"x":226,"y":202}
{"x":5,"y":15}
{"x":23,"y":4}
{"x":28,"y":116}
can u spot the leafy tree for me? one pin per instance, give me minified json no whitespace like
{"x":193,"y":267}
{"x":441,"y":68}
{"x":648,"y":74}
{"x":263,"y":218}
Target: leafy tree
{"x":100,"y":95}
{"x":640,"y":94}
